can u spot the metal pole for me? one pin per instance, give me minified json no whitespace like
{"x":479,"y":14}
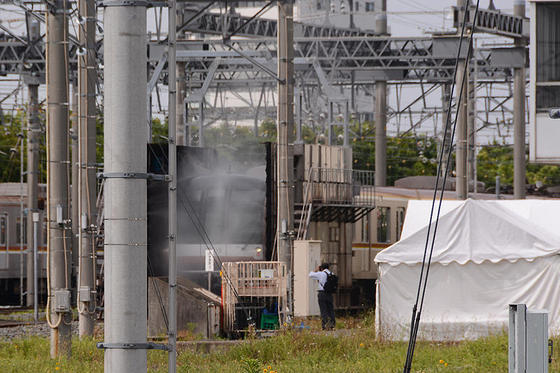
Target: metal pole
{"x":33,"y":133}
{"x":473,"y":136}
{"x":346,"y":142}
{"x":172,"y":148}
{"x":519,"y":116}
{"x":381,"y":107}
{"x":330,"y":119}
{"x":75,"y":192}
{"x":22,"y":218}
{"x":35,"y":217}
{"x":201,"y":124}
{"x":299,"y":116}
{"x":126,"y":135}
{"x":182,"y":130}
{"x":59,"y":313}
{"x":471,"y":115}
{"x":461,"y":145}
{"x":446,"y":132}
{"x":285,"y":123}
{"x":86,"y":130}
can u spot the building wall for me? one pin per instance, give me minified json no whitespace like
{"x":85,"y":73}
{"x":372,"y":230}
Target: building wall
{"x":337,"y":13}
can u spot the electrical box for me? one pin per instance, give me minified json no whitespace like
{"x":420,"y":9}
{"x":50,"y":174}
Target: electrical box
{"x":307,"y":257}
{"x":85,"y":294}
{"x":528,"y":340}
{"x":61,"y":301}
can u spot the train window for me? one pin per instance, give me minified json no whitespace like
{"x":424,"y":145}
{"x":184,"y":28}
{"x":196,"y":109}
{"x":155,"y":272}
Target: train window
{"x":400,"y":222}
{"x":18,"y":230}
{"x":383,"y":215}
{"x":334,"y":234}
{"x":44,"y":231}
{"x":365,"y":228}
{"x":4,"y":230}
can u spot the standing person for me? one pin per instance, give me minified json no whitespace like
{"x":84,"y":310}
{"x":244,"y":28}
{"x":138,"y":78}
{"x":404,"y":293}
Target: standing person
{"x":325,"y":297}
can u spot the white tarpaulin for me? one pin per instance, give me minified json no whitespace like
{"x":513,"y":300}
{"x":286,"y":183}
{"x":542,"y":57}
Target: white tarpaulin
{"x":487,"y":255}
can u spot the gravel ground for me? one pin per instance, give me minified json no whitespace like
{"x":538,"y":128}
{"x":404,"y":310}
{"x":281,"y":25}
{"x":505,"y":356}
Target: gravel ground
{"x":22,"y":331}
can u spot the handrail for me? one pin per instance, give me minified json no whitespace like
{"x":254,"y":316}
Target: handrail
{"x":342,"y":186}
{"x":306,"y":210}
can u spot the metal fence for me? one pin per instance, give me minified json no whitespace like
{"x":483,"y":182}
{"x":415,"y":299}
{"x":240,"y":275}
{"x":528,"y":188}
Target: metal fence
{"x":340,"y":187}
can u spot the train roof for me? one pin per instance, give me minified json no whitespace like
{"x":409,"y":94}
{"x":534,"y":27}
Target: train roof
{"x":12,"y":192}
{"x":423,"y":194}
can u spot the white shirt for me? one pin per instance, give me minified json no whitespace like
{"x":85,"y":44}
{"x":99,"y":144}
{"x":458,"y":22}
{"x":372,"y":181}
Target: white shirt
{"x":320,"y":276}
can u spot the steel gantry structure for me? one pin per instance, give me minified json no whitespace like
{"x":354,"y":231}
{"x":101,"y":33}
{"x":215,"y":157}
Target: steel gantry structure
{"x":333,"y":68}
{"x":331,"y":64}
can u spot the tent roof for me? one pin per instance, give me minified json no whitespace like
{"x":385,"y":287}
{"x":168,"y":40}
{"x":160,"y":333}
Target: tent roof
{"x":476,"y":231}
{"x":542,"y":212}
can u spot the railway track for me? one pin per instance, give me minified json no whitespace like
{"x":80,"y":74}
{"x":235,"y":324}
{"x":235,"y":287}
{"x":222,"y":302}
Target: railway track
{"x":12,"y":323}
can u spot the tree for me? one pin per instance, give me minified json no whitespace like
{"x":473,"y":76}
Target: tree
{"x":407,"y":155}
{"x":495,"y":159}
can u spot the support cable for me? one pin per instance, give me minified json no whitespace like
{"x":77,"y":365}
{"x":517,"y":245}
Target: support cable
{"x":430,"y":241}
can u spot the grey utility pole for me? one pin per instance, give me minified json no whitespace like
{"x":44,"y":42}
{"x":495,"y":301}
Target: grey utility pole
{"x":59,"y":314}
{"x":519,"y":116}
{"x":33,"y":134}
{"x":33,"y":138}
{"x":381,"y":107}
{"x":461,"y":143}
{"x":74,"y":199}
{"x":35,"y":218}
{"x":183,"y":137}
{"x":172,"y":149}
{"x":87,"y":74}
{"x":125,"y":155}
{"x":285,"y":129}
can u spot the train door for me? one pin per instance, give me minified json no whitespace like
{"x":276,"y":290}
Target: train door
{"x":3,"y":241}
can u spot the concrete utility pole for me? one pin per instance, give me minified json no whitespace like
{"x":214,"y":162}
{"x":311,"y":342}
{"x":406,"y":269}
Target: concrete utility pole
{"x":381,"y":106}
{"x":461,"y":143}
{"x":33,"y":138}
{"x":285,"y":124}
{"x":60,"y":315}
{"x":183,"y":135}
{"x":125,"y":154}
{"x":172,"y":149}
{"x":87,"y":74}
{"x":519,"y":116}
{"x":33,"y":133}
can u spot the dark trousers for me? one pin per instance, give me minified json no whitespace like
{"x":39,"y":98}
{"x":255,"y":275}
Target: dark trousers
{"x":326,"y":306}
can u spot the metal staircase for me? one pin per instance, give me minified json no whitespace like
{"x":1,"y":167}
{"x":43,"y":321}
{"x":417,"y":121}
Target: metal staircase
{"x":304,"y":214}
{"x":334,"y":195}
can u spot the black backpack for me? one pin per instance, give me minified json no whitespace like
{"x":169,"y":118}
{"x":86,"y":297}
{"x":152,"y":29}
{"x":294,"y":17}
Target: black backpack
{"x":331,"y":286}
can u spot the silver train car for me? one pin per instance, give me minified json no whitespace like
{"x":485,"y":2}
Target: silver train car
{"x":382,"y":227}
{"x":14,"y":250}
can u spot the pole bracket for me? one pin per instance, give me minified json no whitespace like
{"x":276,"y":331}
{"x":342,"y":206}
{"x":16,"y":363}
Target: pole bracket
{"x":133,"y":346}
{"x":133,"y":175}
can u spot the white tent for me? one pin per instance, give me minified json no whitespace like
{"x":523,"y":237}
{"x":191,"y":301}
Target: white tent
{"x":487,"y":255}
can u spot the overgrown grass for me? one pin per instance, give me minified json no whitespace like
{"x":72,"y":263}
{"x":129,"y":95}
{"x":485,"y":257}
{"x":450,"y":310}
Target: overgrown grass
{"x":291,"y":351}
